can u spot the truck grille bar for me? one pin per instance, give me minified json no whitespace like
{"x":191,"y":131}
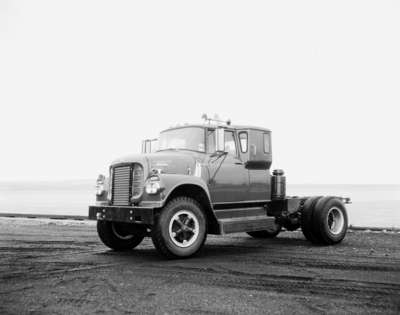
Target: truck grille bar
{"x":121,"y":186}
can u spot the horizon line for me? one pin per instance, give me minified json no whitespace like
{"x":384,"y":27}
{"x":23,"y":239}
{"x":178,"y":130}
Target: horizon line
{"x":46,"y":180}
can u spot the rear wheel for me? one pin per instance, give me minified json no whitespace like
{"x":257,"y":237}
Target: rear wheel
{"x":272,"y":231}
{"x":307,"y":225}
{"x":180,"y":228}
{"x":120,"y":236}
{"x":330,"y":220}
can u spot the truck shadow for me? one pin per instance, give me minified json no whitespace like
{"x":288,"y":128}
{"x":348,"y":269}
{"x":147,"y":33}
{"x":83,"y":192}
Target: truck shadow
{"x":217,"y":248}
{"x":248,"y":246}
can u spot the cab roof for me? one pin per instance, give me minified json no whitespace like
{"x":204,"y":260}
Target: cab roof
{"x":234,"y":127}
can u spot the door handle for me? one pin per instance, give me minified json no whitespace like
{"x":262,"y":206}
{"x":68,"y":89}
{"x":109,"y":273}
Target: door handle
{"x":239,"y":163}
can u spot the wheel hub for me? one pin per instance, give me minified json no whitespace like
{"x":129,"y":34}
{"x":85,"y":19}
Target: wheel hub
{"x":183,"y":228}
{"x":335,"y":220}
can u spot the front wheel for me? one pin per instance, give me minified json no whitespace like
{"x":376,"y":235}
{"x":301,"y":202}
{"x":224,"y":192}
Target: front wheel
{"x":120,"y":236}
{"x":180,"y":228}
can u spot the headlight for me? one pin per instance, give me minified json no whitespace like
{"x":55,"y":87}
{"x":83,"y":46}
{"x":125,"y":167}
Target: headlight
{"x":100,"y":185}
{"x":99,"y":189}
{"x":153,"y":188}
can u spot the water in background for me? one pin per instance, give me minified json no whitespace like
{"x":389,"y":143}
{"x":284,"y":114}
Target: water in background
{"x":373,"y":205}
{"x":52,"y":197}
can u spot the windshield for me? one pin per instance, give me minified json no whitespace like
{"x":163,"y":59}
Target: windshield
{"x":188,"y":138}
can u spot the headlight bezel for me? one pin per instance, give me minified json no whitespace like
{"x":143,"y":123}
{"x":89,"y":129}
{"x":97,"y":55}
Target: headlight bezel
{"x":137,"y":183}
{"x":100,"y":185}
{"x":110,"y":185}
{"x":152,"y":188}
{"x":153,"y":185}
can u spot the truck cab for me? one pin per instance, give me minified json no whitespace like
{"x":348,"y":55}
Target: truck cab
{"x":196,"y":180}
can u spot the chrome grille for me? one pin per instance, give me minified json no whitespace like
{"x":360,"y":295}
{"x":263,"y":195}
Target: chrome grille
{"x":127,"y":182}
{"x":121,"y":186}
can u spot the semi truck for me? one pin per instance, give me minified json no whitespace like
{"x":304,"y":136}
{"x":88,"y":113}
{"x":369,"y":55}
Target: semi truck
{"x":209,"y":178}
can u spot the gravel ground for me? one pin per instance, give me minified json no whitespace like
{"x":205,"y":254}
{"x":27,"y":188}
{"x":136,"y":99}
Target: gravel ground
{"x":59,"y":267}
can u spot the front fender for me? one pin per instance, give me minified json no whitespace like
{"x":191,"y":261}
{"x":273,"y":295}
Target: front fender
{"x":169,"y":182}
{"x":173,"y":181}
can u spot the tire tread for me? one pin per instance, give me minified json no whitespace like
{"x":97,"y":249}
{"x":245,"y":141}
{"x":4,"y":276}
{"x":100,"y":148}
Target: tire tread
{"x":156,"y":234}
{"x":106,"y":235}
{"x":307,"y":226}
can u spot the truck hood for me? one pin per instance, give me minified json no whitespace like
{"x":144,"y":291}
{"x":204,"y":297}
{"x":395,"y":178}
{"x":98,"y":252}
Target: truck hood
{"x":168,"y":162}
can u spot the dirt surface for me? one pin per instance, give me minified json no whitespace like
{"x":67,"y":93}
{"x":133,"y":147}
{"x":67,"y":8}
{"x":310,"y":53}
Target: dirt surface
{"x":59,"y":267}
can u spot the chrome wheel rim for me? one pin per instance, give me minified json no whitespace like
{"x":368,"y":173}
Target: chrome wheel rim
{"x":335,"y":220}
{"x":183,"y":228}
{"x":118,"y":233}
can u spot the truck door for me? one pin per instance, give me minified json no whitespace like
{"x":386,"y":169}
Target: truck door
{"x":229,"y":179}
{"x":258,"y":164}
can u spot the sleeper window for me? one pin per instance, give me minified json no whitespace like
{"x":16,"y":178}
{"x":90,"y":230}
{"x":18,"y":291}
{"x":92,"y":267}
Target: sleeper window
{"x":243,"y":141}
{"x":267,"y":143}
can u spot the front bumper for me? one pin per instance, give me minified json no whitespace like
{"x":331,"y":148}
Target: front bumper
{"x":139,"y":215}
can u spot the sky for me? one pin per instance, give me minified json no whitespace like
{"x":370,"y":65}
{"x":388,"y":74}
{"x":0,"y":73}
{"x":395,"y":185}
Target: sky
{"x":83,"y":82}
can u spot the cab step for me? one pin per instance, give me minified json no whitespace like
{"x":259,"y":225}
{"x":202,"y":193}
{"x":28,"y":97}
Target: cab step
{"x":245,"y":224}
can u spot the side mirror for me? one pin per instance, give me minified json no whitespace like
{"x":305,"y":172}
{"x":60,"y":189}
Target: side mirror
{"x":220,"y":140}
{"x":149,"y":145}
{"x":145,"y":146}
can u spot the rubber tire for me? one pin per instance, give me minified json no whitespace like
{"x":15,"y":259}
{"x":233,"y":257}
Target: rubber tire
{"x":111,"y":240}
{"x":307,"y":224}
{"x":266,"y":233}
{"x":160,"y":234}
{"x":320,"y":222}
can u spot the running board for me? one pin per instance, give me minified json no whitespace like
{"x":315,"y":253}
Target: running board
{"x":240,"y":212}
{"x":245,"y":224}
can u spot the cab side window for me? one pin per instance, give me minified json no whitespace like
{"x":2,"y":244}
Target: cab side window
{"x":230,"y":145}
